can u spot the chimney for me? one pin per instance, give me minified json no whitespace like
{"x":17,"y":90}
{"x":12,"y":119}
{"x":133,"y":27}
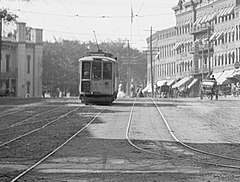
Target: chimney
{"x":36,"y":35}
{"x":21,"y":32}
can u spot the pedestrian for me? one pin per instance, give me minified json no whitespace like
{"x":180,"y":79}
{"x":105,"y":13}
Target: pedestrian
{"x":27,"y":94}
{"x":132,"y":90}
{"x":120,"y":93}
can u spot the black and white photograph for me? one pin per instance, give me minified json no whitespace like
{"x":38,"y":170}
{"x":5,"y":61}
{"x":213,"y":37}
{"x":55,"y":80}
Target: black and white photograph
{"x":119,"y":90}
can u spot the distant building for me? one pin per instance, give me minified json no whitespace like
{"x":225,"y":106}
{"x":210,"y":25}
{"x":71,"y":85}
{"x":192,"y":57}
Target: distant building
{"x":205,"y":40}
{"x":21,"y":63}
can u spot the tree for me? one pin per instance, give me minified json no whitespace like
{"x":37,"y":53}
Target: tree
{"x":60,"y":63}
{"x":5,"y":17}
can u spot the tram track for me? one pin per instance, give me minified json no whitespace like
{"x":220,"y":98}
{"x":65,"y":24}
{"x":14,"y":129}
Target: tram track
{"x":39,"y":128}
{"x":109,"y":151}
{"x":226,"y":161}
{"x":87,"y":119}
{"x":31,"y":117}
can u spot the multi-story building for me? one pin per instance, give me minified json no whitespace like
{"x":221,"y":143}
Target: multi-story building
{"x":21,"y":63}
{"x":204,"y":41}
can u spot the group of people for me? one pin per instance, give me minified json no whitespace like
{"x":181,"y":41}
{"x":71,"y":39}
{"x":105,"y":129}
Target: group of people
{"x":134,"y":91}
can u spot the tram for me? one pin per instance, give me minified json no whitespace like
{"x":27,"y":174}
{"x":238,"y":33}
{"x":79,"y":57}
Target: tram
{"x":98,"y":78}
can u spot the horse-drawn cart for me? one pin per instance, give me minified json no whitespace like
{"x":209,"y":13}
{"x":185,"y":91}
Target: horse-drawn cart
{"x":209,"y":88}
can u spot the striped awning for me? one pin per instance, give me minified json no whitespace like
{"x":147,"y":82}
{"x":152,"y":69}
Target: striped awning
{"x":181,"y":82}
{"x":194,"y":81}
{"x":213,"y":36}
{"x":221,"y":12}
{"x":203,"y":19}
{"x":176,"y":45}
{"x":161,"y":83}
{"x":222,"y":79}
{"x":171,"y":82}
{"x":157,"y":56}
{"x":230,"y":11}
{"x":213,"y":15}
{"x":197,"y":20}
{"x":220,"y":34}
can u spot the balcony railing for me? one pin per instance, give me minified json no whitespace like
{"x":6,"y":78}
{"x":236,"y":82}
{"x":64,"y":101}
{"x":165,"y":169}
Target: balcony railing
{"x":198,"y":49}
{"x":200,"y":28}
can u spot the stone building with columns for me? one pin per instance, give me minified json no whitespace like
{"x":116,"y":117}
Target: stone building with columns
{"x":21,"y":63}
{"x":204,"y":41}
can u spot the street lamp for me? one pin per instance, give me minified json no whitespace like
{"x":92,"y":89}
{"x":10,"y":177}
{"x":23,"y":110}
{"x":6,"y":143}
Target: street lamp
{"x":5,"y":17}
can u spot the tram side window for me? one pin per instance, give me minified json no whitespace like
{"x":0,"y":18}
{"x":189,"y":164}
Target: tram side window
{"x":107,"y":71}
{"x":86,"y":70}
{"x":96,"y":70}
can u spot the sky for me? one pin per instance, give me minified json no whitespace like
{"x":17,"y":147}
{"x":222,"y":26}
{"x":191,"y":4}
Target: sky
{"x":107,"y":20}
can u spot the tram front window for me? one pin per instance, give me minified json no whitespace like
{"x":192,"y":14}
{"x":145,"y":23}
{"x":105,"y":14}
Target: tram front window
{"x":96,"y":70}
{"x":107,"y":71}
{"x":86,"y":70}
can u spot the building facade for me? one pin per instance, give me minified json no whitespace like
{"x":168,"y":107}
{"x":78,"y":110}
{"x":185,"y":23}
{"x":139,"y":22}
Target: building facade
{"x":204,"y":41}
{"x":21,"y":63}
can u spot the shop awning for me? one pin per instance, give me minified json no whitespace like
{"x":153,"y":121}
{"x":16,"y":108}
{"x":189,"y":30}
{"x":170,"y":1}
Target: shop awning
{"x":194,"y":81}
{"x":213,"y":36}
{"x":171,"y":82}
{"x":223,"y":78}
{"x":203,"y":19}
{"x":217,"y":74}
{"x":161,"y":83}
{"x":235,"y":76}
{"x":176,"y":45}
{"x":197,"y":20}
{"x":213,"y":15}
{"x":157,"y":56}
{"x":220,"y":34}
{"x":181,"y":82}
{"x":221,"y":12}
{"x":147,"y":88}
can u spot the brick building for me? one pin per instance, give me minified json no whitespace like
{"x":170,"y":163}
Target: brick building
{"x":205,"y":40}
{"x":21,"y":63}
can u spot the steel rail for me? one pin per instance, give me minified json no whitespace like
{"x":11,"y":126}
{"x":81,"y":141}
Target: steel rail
{"x":58,"y":148}
{"x":13,"y":112}
{"x":176,"y":139}
{"x":37,"y":129}
{"x":128,"y":132}
{"x":22,"y":121}
{"x":195,"y":149}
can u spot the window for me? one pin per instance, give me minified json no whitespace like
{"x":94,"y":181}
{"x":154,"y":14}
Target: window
{"x":28,"y":87}
{"x":96,"y":70}
{"x":225,"y":59}
{"x":7,"y":62}
{"x":28,"y":63}
{"x":107,"y":71}
{"x":85,"y":70}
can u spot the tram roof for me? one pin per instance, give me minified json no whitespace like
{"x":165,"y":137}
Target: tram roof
{"x":98,"y":55}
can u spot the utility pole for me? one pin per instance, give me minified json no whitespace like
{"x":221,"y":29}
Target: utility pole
{"x":128,"y":77}
{"x":208,"y":40}
{"x":1,"y":18}
{"x":151,"y":62}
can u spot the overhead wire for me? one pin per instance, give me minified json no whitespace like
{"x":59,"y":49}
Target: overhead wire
{"x":76,"y":16}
